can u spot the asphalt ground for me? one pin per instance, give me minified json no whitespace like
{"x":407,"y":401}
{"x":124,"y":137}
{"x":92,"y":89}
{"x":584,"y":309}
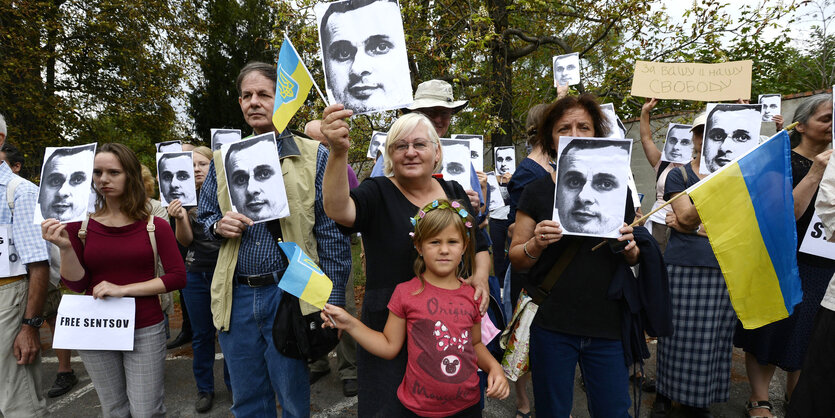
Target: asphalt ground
{"x":327,"y":399}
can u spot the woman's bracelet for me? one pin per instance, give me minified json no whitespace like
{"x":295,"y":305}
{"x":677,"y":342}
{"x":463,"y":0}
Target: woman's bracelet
{"x":525,"y":248}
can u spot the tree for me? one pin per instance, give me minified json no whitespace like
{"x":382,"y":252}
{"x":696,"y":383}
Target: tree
{"x":237,"y":33}
{"x":70,"y":64}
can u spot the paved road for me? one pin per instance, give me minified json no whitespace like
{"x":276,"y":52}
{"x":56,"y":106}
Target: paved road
{"x":326,"y":395}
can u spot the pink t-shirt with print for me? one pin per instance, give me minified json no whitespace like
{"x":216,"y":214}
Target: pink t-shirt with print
{"x":441,"y":377}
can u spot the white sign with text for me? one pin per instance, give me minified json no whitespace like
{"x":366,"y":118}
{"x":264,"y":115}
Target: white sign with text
{"x":10,"y":264}
{"x":84,"y":323}
{"x":814,"y":240}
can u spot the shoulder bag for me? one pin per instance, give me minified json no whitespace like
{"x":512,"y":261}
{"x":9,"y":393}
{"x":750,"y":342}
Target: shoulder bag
{"x":516,"y":337}
{"x":296,"y":335}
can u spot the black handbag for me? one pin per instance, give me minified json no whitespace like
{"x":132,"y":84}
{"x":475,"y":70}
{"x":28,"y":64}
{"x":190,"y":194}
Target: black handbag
{"x":296,"y":335}
{"x":301,"y":336}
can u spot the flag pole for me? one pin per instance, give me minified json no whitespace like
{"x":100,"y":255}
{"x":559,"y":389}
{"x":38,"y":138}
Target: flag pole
{"x":645,"y":217}
{"x":324,"y":99}
{"x":315,"y":84}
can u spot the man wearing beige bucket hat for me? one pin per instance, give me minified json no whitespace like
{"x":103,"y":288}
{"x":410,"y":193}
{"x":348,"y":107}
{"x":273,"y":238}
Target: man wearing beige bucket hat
{"x":434,"y":99}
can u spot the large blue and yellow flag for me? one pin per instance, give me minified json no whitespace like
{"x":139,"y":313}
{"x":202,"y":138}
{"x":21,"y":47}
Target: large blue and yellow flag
{"x":303,"y":278}
{"x":292,"y":86}
{"x":748,"y":212}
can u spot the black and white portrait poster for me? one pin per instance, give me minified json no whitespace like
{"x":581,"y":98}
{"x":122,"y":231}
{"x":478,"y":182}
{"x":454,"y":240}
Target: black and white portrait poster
{"x":592,"y":183}
{"x":363,"y":51}
{"x":66,"y":178}
{"x":771,"y":106}
{"x":616,"y":128}
{"x":456,"y":161}
{"x":476,"y":149}
{"x":224,"y":136}
{"x":175,"y":172}
{"x":169,"y":146}
{"x":678,"y":146}
{"x":731,"y":130}
{"x":496,"y":200}
{"x":376,"y":145}
{"x":505,"y":160}
{"x":566,"y":69}
{"x":253,"y":178}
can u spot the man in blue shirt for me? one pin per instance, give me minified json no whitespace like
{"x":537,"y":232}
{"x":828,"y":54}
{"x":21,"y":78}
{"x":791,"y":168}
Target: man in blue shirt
{"x":245,"y":297}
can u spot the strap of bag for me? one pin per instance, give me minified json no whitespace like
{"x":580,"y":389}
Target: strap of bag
{"x":541,"y":291}
{"x":82,"y":232}
{"x":10,"y":189}
{"x":683,"y":173}
{"x":150,"y":227}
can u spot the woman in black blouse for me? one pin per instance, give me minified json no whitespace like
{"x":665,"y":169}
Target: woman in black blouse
{"x":578,"y":322}
{"x":783,"y":344}
{"x":381,"y":208}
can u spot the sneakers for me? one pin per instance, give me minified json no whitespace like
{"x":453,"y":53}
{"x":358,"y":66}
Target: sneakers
{"x":204,"y":401}
{"x":350,"y":387}
{"x":64,"y":381}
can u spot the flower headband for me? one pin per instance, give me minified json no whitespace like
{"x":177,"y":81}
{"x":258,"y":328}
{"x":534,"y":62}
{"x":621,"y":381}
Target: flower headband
{"x":455,"y":206}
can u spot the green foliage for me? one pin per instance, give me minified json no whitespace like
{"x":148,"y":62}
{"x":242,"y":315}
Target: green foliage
{"x":94,"y":70}
{"x":237,"y":33}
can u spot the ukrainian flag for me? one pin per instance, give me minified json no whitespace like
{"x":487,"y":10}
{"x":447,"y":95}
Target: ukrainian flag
{"x":748,"y":212}
{"x":303,"y":278}
{"x":292,"y":86}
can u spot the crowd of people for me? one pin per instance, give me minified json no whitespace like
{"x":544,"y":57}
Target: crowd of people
{"x":417,"y":346}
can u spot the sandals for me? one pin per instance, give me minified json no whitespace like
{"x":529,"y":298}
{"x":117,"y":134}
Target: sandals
{"x":647,"y":384}
{"x":751,"y":405}
{"x":523,"y":415}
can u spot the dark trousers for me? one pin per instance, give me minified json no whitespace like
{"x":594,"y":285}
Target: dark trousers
{"x":498,"y":234}
{"x":813,"y":396}
{"x":554,"y":356}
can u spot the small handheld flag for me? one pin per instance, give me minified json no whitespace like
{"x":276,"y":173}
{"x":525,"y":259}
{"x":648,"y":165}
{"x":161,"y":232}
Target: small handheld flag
{"x":303,"y":278}
{"x":292,"y":85}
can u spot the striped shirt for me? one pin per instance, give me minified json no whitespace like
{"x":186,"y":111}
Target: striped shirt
{"x":29,"y":244}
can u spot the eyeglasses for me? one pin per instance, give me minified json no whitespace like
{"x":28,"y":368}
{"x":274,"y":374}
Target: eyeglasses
{"x":419,"y":145}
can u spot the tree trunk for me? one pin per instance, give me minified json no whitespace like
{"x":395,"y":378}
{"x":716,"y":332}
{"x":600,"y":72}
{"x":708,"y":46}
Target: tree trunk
{"x":500,"y":77}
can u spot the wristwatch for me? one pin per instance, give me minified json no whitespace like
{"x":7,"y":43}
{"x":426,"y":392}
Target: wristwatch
{"x":35,"y":321}
{"x":214,"y":230}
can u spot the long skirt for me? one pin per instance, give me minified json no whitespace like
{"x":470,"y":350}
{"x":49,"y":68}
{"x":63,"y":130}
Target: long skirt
{"x":784,"y":343}
{"x":694,"y":364}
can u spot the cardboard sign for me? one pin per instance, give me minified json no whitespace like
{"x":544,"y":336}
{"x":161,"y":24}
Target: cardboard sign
{"x":693,"y":81}
{"x":814,"y":240}
{"x":10,"y":264}
{"x":84,"y":323}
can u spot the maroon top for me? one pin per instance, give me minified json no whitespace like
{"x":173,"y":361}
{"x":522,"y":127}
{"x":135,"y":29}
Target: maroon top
{"x":123,"y":255}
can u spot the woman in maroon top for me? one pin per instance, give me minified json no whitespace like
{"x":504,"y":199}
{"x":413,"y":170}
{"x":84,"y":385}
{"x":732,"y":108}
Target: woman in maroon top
{"x":116,"y":260}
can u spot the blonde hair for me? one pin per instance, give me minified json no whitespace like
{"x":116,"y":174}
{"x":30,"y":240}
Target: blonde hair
{"x":437,"y":216}
{"x":404,"y":126}
{"x":204,"y":151}
{"x":149,"y":182}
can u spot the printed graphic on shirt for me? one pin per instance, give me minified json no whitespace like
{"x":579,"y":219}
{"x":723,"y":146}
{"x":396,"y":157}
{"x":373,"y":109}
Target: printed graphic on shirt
{"x":444,"y":351}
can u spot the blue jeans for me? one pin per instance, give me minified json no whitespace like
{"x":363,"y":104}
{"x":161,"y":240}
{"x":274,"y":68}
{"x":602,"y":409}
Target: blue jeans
{"x":554,"y":357}
{"x":257,"y":370}
{"x":198,"y":303}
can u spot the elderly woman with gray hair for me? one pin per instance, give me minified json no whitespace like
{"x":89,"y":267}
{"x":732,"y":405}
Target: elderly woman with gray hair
{"x":381,"y":208}
{"x":784,"y":343}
